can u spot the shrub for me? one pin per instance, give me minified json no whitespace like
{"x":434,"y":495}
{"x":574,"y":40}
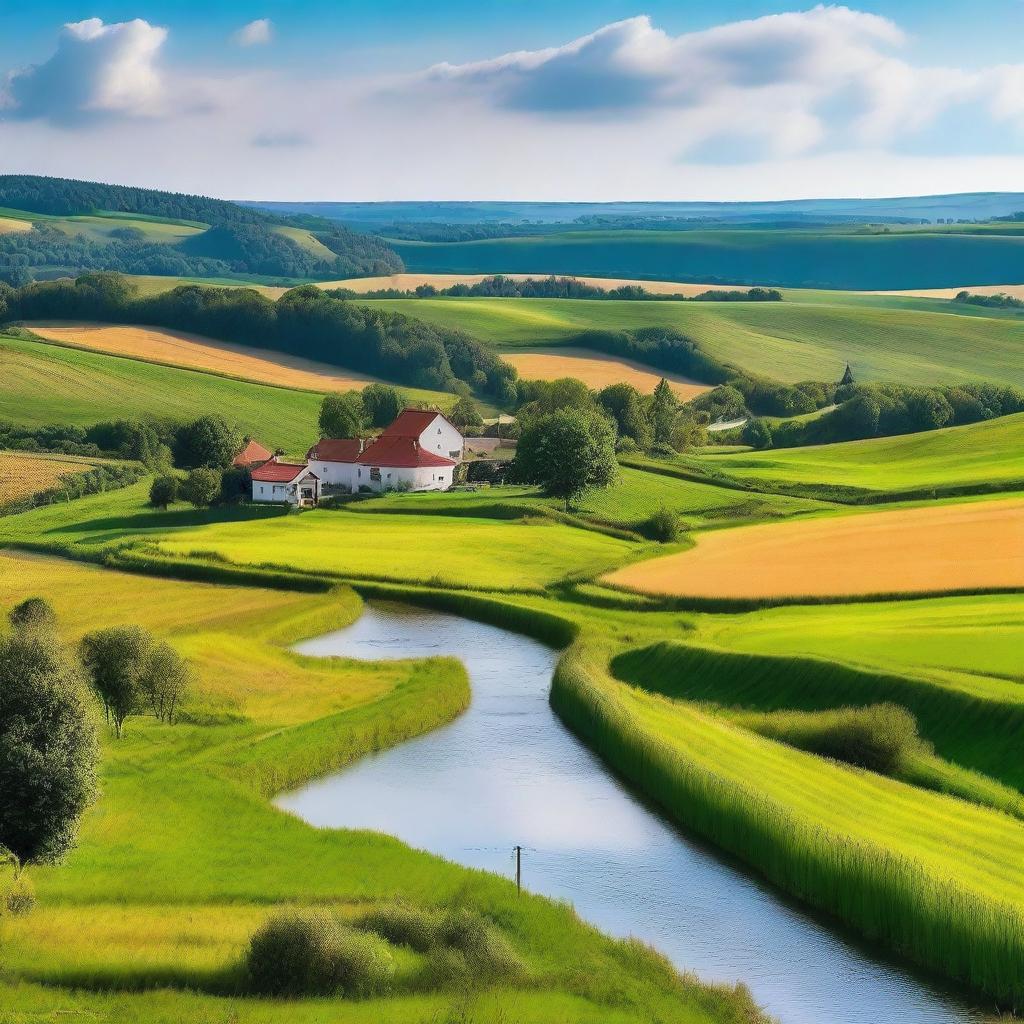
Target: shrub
{"x":757,"y":434}
{"x":627,"y":446}
{"x":297,"y":953}
{"x":33,"y":613}
{"x":19,"y":896}
{"x":663,"y":526}
{"x":879,"y":737}
{"x":486,"y":950}
{"x":402,"y":925}
{"x":163,"y":491}
{"x":201,"y":487}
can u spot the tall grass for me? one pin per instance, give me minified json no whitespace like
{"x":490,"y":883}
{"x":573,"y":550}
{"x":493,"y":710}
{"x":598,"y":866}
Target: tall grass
{"x":983,"y":729}
{"x":887,"y":897}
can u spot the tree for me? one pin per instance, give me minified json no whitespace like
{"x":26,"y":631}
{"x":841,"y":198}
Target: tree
{"x":164,"y":680}
{"x":568,"y":453}
{"x":115,"y":660}
{"x":201,"y":487}
{"x":34,"y":613}
{"x":235,"y":485}
{"x":382,"y":404}
{"x":626,"y":406}
{"x":757,"y":434}
{"x":465,"y":414}
{"x":163,"y":491}
{"x":663,"y":410}
{"x":342,"y":415}
{"x":208,"y":441}
{"x":48,"y":749}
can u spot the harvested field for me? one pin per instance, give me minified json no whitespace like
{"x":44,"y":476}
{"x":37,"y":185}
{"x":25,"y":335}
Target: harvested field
{"x":8,"y":225}
{"x":407,"y":282}
{"x":25,"y":473}
{"x":598,"y":371}
{"x":1016,"y":290}
{"x":975,"y":545}
{"x":194,"y":352}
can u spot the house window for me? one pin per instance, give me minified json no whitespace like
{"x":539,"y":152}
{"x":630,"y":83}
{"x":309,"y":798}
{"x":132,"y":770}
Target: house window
{"x":375,"y":474}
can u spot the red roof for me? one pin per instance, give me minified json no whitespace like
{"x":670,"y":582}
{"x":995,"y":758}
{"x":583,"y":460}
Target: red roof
{"x":329,"y":449}
{"x":280,"y":472}
{"x":400,"y":453}
{"x":412,"y":422}
{"x":252,"y":453}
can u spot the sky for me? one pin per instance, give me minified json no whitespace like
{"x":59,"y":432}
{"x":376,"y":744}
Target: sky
{"x":516,"y":99}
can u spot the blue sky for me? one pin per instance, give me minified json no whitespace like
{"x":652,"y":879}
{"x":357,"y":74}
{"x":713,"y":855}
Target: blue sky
{"x":519,"y":100}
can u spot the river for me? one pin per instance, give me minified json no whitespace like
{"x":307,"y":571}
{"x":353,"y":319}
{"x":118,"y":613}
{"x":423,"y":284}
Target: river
{"x":507,"y":772}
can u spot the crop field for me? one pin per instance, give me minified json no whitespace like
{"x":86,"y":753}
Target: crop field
{"x":10,"y":225}
{"x":97,"y":227}
{"x":966,"y":546}
{"x":45,"y":383}
{"x":787,"y":341}
{"x":24,"y":473}
{"x":830,"y":258}
{"x":598,"y":371}
{"x":489,"y":554}
{"x":193,"y":351}
{"x":987,"y":452}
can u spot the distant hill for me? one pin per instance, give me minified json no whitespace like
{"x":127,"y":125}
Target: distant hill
{"x":965,"y":206}
{"x":83,"y":225}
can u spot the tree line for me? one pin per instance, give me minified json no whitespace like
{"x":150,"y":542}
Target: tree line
{"x":554,"y":287}
{"x":307,"y":321}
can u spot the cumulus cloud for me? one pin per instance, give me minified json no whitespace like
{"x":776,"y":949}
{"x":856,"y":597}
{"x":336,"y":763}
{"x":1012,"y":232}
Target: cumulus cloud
{"x":779,"y":85}
{"x":97,"y":71}
{"x":256,"y":33}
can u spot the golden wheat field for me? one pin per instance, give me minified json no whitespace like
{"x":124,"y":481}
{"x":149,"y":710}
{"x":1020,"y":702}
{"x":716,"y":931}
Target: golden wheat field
{"x":24,"y":473}
{"x":1016,"y":290}
{"x":597,"y":371}
{"x":9,"y":225}
{"x":967,"y":546}
{"x":176,"y":348}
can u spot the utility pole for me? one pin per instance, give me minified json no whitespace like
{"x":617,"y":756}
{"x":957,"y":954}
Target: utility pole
{"x":519,"y":869}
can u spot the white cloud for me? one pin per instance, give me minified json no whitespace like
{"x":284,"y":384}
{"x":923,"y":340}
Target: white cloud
{"x":780,"y":85}
{"x":97,"y":71}
{"x":256,"y":33}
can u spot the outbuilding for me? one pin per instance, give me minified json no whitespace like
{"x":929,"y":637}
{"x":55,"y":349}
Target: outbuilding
{"x":290,"y":482}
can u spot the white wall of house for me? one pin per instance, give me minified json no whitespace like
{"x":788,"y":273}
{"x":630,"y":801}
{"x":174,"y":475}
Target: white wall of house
{"x":441,"y":438}
{"x":334,"y":474}
{"x":307,"y":490}
{"x":420,"y":478}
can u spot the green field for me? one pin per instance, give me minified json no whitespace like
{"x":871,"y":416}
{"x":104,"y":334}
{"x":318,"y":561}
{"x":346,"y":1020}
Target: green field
{"x":841,"y":257}
{"x":988,"y":452}
{"x":183,"y":856}
{"x":53,"y":384}
{"x":786,"y":341}
{"x":97,"y":227}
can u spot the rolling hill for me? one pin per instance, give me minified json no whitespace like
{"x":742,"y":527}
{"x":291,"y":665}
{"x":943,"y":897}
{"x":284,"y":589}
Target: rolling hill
{"x":788,"y":341}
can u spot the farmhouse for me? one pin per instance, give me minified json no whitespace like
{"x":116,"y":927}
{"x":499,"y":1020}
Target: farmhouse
{"x":290,"y":482}
{"x":418,"y":452}
{"x":253,"y":454}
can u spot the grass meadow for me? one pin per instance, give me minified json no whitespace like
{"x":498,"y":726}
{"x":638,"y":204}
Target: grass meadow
{"x":787,"y":341}
{"x":988,"y":452}
{"x":46,"y":383}
{"x":182,"y":857}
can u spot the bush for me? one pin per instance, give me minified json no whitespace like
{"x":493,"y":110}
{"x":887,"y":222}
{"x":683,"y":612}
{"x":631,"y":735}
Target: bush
{"x":201,"y":487}
{"x":303,"y":953}
{"x":484,"y":947}
{"x":627,"y":446}
{"x":163,"y":491}
{"x":757,"y":434}
{"x":33,"y":613}
{"x":18,"y":896}
{"x":663,"y":526}
{"x":402,"y":925}
{"x":879,"y":738}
